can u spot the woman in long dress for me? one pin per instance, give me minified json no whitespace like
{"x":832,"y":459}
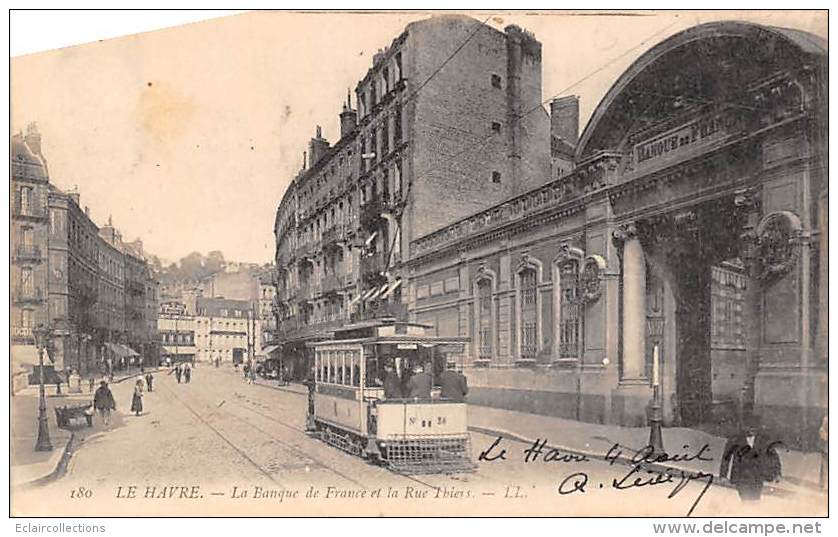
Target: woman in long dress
{"x":137,"y":400}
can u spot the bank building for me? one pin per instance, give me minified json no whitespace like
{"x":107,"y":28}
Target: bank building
{"x":687,"y":220}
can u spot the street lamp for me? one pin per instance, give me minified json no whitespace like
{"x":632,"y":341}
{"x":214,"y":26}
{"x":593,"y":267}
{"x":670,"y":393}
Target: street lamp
{"x":656,"y":410}
{"x":42,"y":335}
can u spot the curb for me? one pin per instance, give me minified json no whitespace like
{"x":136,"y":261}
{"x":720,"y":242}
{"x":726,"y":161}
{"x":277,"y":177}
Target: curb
{"x":280,"y":388}
{"x":58,"y":469}
{"x":655,"y":466}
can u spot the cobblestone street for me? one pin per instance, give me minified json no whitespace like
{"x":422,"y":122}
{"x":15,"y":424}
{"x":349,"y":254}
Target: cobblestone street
{"x":237,"y":444}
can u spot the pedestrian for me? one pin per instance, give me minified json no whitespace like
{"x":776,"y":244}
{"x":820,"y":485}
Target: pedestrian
{"x":187,"y":373}
{"x":453,"y":384}
{"x":392,"y":383}
{"x":137,"y":398}
{"x":749,"y":460}
{"x":823,"y":441}
{"x":149,"y":381}
{"x":419,"y":385}
{"x":178,"y":373}
{"x":104,"y":403}
{"x":90,"y":384}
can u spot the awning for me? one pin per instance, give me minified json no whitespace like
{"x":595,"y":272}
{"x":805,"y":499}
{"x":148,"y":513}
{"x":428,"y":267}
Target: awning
{"x":355,"y":300}
{"x":368,"y":294}
{"x":269,"y":349}
{"x":118,"y":350}
{"x":395,"y":285}
{"x":129,"y":351}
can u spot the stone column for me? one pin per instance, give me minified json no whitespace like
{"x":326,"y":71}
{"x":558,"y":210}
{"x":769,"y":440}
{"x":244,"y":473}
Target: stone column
{"x":634,"y":305}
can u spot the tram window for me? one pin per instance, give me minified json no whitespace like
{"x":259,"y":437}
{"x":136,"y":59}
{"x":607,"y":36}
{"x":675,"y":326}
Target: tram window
{"x":372,"y":373}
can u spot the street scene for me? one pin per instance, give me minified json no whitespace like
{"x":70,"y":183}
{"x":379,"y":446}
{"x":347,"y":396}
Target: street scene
{"x":441,"y":267}
{"x":249,"y":440}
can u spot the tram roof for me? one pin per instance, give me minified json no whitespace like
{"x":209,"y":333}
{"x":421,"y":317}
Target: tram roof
{"x":425,"y":341}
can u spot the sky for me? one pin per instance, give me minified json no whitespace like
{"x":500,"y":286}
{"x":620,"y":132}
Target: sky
{"x":188,"y":136}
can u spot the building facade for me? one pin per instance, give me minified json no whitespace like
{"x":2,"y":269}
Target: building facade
{"x":70,"y":276}
{"x":687,"y":227}
{"x":347,"y":222}
{"x":227,"y":330}
{"x":29,"y":189}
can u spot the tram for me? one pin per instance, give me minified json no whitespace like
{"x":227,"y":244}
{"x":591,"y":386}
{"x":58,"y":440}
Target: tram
{"x":348,"y":408}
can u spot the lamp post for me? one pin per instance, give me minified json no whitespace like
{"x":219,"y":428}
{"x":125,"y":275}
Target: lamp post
{"x":656,"y":413}
{"x":42,"y":334}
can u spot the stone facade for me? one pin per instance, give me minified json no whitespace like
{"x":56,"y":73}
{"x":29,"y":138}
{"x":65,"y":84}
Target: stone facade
{"x":66,"y":275}
{"x":29,"y":188}
{"x":348,"y":220}
{"x":686,"y":224}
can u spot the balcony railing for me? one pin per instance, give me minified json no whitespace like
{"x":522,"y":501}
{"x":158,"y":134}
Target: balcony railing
{"x":333,"y":236}
{"x":379,"y":310}
{"x":28,"y":252}
{"x":372,"y":265}
{"x":35,"y":294}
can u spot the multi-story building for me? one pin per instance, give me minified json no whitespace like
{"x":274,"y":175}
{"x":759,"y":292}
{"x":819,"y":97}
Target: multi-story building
{"x":74,"y":281}
{"x":67,"y":276}
{"x":227,"y":330}
{"x":398,"y":170}
{"x":29,"y":187}
{"x":265,"y":295}
{"x":678,"y":253}
{"x":176,"y":332}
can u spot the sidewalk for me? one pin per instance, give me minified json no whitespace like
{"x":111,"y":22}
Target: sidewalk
{"x":800,"y":469}
{"x":30,"y":466}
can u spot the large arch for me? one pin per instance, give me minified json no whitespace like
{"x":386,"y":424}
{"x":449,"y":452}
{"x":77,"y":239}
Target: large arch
{"x":723,"y":57}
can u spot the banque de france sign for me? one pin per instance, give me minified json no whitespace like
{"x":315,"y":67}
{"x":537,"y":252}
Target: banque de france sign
{"x":699,"y":132}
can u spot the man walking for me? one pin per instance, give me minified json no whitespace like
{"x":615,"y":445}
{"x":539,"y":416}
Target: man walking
{"x":178,"y":373}
{"x":149,"y":382}
{"x":187,"y":373}
{"x":749,"y":460}
{"x":103,"y":402}
{"x":453,"y":384}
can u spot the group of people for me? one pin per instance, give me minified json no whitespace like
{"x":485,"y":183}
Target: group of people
{"x":183,"y":373}
{"x":104,"y":402}
{"x":453,"y":384}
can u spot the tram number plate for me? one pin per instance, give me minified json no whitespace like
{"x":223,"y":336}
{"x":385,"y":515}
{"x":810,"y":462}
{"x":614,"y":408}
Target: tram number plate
{"x":407,"y":346}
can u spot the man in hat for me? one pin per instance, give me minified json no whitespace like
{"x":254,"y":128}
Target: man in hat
{"x":103,"y":402}
{"x":419,"y":385}
{"x":392,"y":383}
{"x":749,"y":460}
{"x":453,"y":384}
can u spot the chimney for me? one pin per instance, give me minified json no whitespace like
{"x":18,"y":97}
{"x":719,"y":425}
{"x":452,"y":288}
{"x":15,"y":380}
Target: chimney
{"x":348,"y":118}
{"x":317,"y":147}
{"x":75,"y":196}
{"x":564,"y":118}
{"x":87,"y":211}
{"x":33,"y":138}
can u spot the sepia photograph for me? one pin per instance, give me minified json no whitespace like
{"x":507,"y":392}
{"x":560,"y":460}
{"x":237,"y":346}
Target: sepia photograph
{"x":422,"y":264}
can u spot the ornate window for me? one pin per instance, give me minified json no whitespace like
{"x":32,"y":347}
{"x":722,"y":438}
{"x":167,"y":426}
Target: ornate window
{"x":529,"y":313}
{"x":570,"y":318}
{"x":485,"y":334}
{"x":728,"y":296}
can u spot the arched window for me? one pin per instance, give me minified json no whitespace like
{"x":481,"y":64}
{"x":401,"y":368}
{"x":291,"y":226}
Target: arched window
{"x":528,"y":311}
{"x":485,"y":332}
{"x":570,"y":310}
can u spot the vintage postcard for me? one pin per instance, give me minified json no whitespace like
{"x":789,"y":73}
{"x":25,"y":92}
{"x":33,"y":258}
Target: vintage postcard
{"x":423,"y":263}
